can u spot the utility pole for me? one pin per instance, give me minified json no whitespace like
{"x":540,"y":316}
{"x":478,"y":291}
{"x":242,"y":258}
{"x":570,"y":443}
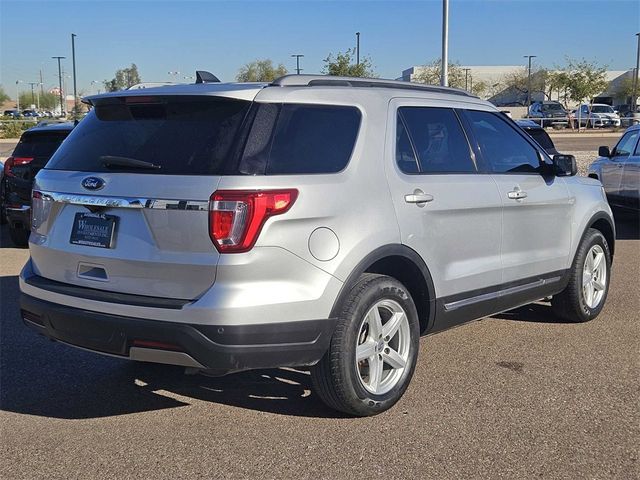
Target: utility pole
{"x":357,"y":48}
{"x":444,"y":68}
{"x":529,"y":80}
{"x":18,"y":82}
{"x":33,"y":95}
{"x":73,"y":58}
{"x":636,"y":80}
{"x":60,"y":84}
{"x":466,"y":78}
{"x":297,"y":56}
{"x":41,"y":83}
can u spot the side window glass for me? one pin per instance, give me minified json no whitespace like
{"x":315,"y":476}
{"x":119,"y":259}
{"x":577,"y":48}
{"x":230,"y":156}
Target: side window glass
{"x":438,"y":140}
{"x":626,"y":144}
{"x":501,"y":145}
{"x":405,"y":157}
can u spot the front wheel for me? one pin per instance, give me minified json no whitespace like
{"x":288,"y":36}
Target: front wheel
{"x":583,"y":298}
{"x":373,"y":351}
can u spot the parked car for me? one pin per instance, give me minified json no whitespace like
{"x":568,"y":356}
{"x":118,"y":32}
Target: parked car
{"x":30,"y":113}
{"x":628,"y":116}
{"x":548,"y":113}
{"x":12,"y":113}
{"x":318,"y":221}
{"x":539,"y":134}
{"x":597,"y":115}
{"x":619,"y":170}
{"x":34,"y":149}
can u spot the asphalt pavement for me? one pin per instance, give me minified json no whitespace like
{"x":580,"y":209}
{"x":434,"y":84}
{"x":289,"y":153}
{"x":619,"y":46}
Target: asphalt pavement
{"x":518,"y":395}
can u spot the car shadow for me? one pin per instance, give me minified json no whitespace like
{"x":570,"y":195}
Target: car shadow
{"x":539,"y":312}
{"x":45,"y":378}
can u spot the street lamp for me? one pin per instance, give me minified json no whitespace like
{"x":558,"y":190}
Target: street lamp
{"x":174,"y":74}
{"x":444,"y":69}
{"x":298,"y":56}
{"x":60,"y":83}
{"x":529,"y":79}
{"x":357,"y":48}
{"x":18,"y":94}
{"x":636,"y":80}
{"x":73,"y":57}
{"x":188,"y":77}
{"x":94,"y":82}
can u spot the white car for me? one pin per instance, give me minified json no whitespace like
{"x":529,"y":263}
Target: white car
{"x":596,"y":115}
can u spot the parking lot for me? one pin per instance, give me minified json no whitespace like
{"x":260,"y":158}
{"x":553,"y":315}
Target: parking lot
{"x":518,"y":395}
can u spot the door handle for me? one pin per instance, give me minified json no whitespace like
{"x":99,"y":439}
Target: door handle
{"x":517,"y":194}
{"x":418,"y":197}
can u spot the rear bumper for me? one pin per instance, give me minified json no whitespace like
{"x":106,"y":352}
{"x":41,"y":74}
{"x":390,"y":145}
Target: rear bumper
{"x":19,"y":216}
{"x":221,"y":349}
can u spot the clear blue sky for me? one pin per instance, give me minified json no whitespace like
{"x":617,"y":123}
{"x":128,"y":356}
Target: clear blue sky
{"x":220,"y":36}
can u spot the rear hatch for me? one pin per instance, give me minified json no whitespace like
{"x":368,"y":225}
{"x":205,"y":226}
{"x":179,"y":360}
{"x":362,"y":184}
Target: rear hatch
{"x":31,"y":154}
{"x":123,"y":204}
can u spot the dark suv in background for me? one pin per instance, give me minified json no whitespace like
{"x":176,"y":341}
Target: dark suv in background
{"x":548,"y":114}
{"x":34,"y":150}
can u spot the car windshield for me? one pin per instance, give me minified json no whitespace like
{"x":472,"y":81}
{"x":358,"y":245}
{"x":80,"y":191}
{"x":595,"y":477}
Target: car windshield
{"x":602,"y":109}
{"x":552,"y":107}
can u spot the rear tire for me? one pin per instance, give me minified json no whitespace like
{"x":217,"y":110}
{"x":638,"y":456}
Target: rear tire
{"x":373,"y":351}
{"x":585,"y":294}
{"x":19,"y":236}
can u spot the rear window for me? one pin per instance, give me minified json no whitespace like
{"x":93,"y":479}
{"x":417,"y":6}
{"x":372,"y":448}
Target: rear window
{"x":39,"y":145}
{"x":185,"y":136}
{"x":211,"y":136}
{"x":541,"y":137}
{"x":297,"y":139}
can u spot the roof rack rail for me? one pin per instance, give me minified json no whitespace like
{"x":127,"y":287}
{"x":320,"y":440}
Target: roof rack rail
{"x":330,"y":81}
{"x":202,"y":76}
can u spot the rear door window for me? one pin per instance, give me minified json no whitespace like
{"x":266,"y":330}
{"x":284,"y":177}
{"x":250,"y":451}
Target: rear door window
{"x":626,"y":144}
{"x":300,"y":139}
{"x":437,"y":139}
{"x":179,"y":135}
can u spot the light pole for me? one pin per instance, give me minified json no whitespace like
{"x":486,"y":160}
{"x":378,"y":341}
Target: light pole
{"x":444,"y":68}
{"x":529,"y":80}
{"x":636,"y":80}
{"x":188,"y":77}
{"x":466,"y":78}
{"x":18,"y":82}
{"x":60,"y":83}
{"x":73,"y":59}
{"x":93,"y":82}
{"x":174,"y":75}
{"x":297,"y":56}
{"x":33,"y":95}
{"x":357,"y":48}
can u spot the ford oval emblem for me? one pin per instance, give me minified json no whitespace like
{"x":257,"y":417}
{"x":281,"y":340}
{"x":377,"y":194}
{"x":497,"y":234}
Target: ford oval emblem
{"x":93,"y":183}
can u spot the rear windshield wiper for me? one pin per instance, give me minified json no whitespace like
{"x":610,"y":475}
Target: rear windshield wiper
{"x":111,"y":161}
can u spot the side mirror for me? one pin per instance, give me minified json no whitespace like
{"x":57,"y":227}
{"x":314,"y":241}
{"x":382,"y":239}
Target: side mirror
{"x":603,"y":151}
{"x":565,"y":165}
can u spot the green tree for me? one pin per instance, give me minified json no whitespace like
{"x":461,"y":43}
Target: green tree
{"x":48,"y":101}
{"x":260,"y":71}
{"x":585,"y":79}
{"x":518,"y":81}
{"x":123,"y":79}
{"x":3,"y":95}
{"x":343,"y":65}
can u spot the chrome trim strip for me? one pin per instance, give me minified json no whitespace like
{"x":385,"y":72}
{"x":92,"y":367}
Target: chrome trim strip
{"x":164,"y":356}
{"x":125,"y":202}
{"x":22,"y":208}
{"x":500,"y":293}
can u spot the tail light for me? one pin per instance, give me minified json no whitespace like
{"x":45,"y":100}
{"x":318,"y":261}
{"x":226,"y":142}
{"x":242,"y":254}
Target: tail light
{"x":14,"y":161}
{"x":40,"y":210}
{"x":236,"y":217}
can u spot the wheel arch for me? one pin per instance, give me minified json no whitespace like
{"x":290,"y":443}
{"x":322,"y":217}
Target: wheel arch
{"x":405,"y":265}
{"x":602,"y":222}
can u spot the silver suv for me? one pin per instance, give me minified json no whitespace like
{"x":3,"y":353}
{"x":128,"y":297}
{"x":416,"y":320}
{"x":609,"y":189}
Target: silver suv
{"x":314,"y":221}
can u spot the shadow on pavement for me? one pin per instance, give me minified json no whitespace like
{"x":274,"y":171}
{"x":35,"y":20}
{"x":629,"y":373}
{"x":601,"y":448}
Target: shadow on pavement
{"x":45,"y":378}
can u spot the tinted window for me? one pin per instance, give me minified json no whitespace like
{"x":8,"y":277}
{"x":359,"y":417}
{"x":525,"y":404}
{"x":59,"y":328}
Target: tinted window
{"x":405,"y":156}
{"x":298,"y":139}
{"x":437,"y":138}
{"x":626,"y":144}
{"x":185,"y":135}
{"x":501,"y":145}
{"x":541,"y":137}
{"x":39,"y":144}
